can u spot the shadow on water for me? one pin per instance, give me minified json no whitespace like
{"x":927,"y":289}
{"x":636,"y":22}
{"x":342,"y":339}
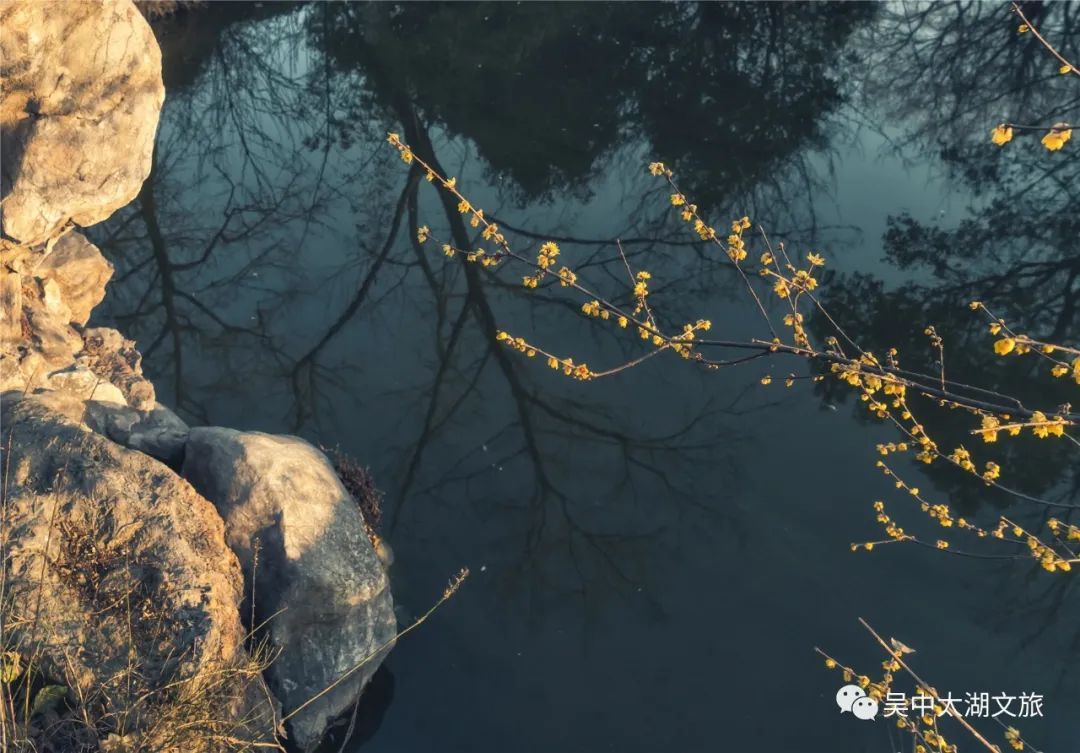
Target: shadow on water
{"x":646,"y":550}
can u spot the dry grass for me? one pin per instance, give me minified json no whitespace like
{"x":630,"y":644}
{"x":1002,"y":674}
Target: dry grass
{"x":358,"y":481}
{"x":143,"y":697}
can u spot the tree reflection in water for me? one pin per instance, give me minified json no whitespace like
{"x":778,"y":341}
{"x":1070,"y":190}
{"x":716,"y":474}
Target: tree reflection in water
{"x":267,"y":151}
{"x":1018,"y":248}
{"x":270,"y":273}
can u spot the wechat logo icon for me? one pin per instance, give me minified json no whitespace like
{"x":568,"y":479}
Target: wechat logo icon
{"x":854,"y":699}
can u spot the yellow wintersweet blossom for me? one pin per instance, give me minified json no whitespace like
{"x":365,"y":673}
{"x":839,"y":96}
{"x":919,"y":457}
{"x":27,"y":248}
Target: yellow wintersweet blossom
{"x":1044,"y":427}
{"x":423,"y":233}
{"x":1024,"y":28}
{"x":593,"y":308}
{"x":736,"y":247}
{"x":1065,"y":69}
{"x":566,"y":365}
{"x":1056,"y":137}
{"x":705,"y":232}
{"x":403,"y":150}
{"x":546,"y":258}
{"x":677,"y":199}
{"x":816,"y":259}
{"x":1004,"y":346}
{"x":1001,"y":135}
{"x":641,"y":290}
{"x":804,"y":281}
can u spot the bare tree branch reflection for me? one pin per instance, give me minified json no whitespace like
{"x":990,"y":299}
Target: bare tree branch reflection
{"x":263,"y":263}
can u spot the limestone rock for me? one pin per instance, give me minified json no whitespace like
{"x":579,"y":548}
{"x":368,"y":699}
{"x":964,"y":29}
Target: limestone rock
{"x":127,"y":567}
{"x":315,"y":562}
{"x":10,"y":306}
{"x":79,"y":272}
{"x":78,"y":112}
{"x":158,"y":432}
{"x":114,"y":358}
{"x":50,"y":335}
{"x":83,"y":383}
{"x":34,"y":341}
{"x":39,"y":347}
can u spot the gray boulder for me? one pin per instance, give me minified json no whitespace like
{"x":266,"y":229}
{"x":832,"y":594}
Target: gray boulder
{"x":158,"y":432}
{"x":301,"y":537}
{"x":121,"y":583}
{"x":78,"y":112}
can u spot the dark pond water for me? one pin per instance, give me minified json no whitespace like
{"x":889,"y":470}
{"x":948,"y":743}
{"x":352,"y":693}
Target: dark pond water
{"x":654,"y":556}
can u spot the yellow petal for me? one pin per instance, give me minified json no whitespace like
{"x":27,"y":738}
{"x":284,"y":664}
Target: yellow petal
{"x":1056,"y":138}
{"x":1001,"y":135}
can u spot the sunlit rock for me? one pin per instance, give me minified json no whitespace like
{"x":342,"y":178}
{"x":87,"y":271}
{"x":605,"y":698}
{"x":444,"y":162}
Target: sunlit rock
{"x":82,"y":383}
{"x":158,"y":432}
{"x":119,"y":579}
{"x":301,"y":537}
{"x":79,"y":109}
{"x":44,"y":301}
{"x":79,"y":271}
{"x":115,"y":359}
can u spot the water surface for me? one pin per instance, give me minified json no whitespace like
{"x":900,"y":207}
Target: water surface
{"x":654,"y":556}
